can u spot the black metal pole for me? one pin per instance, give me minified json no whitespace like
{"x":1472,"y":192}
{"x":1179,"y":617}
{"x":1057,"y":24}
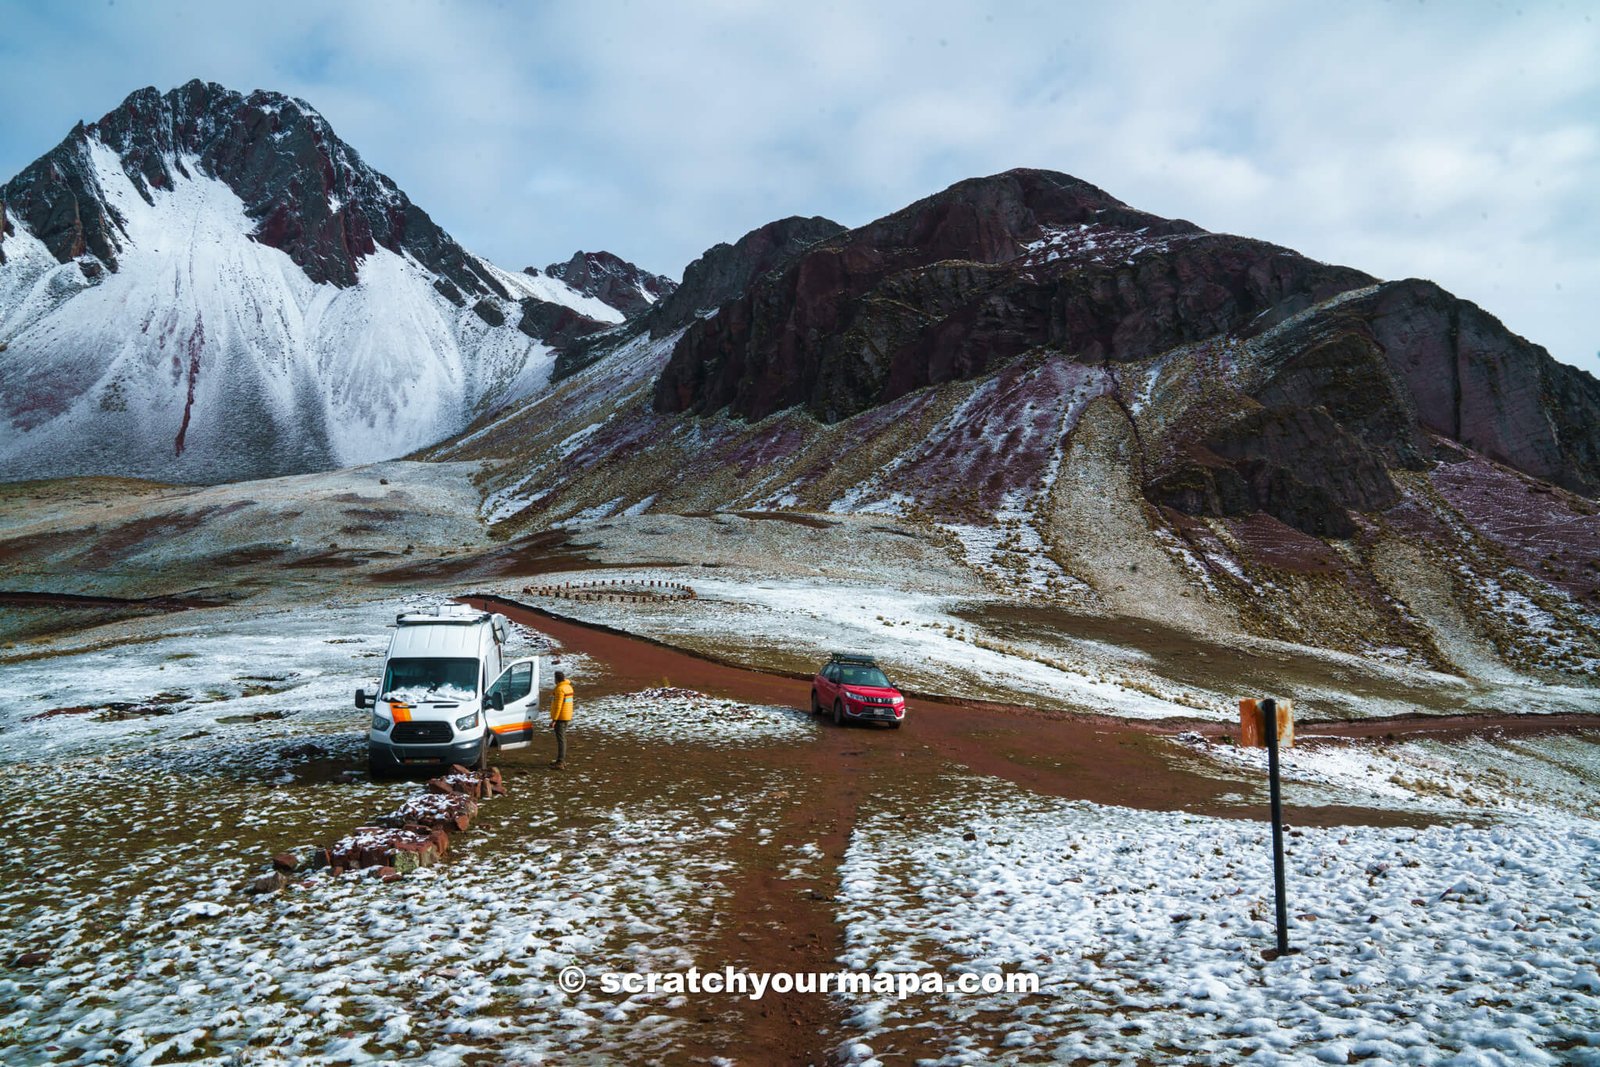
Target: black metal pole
{"x":1269,"y":710}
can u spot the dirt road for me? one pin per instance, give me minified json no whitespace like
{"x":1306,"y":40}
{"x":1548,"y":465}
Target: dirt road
{"x":781,"y":923}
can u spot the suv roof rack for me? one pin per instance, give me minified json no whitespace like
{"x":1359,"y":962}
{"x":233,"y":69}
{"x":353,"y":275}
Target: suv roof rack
{"x":858,"y":658}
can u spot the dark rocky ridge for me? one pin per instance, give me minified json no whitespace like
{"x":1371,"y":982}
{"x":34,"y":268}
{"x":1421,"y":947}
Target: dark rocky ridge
{"x":721,"y":273}
{"x":726,"y":271}
{"x":1360,"y":388}
{"x":992,"y":269}
{"x":557,"y":325}
{"x":612,"y":279}
{"x":942,"y":291}
{"x":1474,"y":381}
{"x":308,"y":192}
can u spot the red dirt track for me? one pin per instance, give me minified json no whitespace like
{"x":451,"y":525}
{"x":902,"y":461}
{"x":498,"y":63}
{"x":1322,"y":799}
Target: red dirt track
{"x":1081,"y":757}
{"x":778,"y":923}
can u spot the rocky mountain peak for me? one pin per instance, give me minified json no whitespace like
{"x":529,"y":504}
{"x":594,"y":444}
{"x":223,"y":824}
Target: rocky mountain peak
{"x":725,"y":270}
{"x":992,"y":219}
{"x":308,"y":192}
{"x":965,"y":280}
{"x":150,"y":324}
{"x":612,"y":279}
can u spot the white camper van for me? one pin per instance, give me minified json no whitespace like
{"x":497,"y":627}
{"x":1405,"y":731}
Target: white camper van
{"x":447,"y":694}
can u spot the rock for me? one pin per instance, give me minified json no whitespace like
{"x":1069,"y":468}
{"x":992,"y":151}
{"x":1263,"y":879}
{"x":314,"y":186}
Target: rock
{"x":268,"y":883}
{"x":55,"y":712}
{"x":489,"y":313}
{"x":1475,"y":382}
{"x":612,"y":280}
{"x":31,"y":959}
{"x":451,"y":812}
{"x":1296,"y":464}
{"x":724,"y":271}
{"x":412,"y":857}
{"x":287,"y":862}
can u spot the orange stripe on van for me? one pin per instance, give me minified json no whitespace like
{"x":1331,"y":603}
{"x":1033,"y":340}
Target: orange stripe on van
{"x":401,"y":712}
{"x":512,"y":727}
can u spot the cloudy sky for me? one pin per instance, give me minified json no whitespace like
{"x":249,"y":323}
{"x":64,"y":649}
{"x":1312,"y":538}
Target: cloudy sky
{"x":1454,"y":141}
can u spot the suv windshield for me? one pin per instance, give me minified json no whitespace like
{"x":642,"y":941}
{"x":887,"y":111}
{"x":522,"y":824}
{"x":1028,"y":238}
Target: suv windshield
{"x":416,"y":680}
{"x":850,"y":674}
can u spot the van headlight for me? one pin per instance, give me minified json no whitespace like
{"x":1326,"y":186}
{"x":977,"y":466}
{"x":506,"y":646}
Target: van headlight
{"x":467,"y":722}
{"x":380,"y":724}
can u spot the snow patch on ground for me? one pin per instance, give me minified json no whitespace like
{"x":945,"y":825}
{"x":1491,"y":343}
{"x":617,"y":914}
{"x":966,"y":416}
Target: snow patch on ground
{"x":1095,"y":244}
{"x":1473,"y":777}
{"x":695,"y":718}
{"x":1454,"y":944}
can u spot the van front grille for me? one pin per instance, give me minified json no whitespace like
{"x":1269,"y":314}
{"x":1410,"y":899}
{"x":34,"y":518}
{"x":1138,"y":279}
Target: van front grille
{"x":421,"y":733}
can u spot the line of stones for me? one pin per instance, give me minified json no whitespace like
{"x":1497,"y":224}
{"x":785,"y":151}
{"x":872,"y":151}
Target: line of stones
{"x":416,"y":835}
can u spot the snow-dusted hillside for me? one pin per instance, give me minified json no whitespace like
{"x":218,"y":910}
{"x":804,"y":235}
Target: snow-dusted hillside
{"x":197,"y":346}
{"x":1204,"y":483}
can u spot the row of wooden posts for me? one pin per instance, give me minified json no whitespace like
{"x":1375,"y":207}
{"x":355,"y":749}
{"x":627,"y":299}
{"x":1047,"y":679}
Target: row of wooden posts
{"x":610,"y":591}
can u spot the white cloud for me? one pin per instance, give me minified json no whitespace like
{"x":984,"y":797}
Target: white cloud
{"x":1459,"y":142}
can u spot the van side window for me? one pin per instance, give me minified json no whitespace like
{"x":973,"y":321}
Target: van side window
{"x":515,"y":683}
{"x":521,"y":675}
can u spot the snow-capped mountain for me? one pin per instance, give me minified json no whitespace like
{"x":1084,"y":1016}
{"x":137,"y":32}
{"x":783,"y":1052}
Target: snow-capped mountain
{"x":611,"y":278}
{"x":209,"y":286}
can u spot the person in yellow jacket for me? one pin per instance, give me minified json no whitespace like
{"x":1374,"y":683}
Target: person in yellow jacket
{"x":561,"y":717}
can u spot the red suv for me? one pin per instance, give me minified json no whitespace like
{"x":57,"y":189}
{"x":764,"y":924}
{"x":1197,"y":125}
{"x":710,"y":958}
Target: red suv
{"x":857,"y":691}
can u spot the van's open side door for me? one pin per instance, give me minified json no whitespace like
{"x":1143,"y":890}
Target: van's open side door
{"x":518,"y":687}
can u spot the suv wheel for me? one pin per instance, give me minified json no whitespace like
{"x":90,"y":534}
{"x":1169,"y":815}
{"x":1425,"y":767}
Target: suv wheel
{"x":816,"y":708}
{"x":838,"y":713}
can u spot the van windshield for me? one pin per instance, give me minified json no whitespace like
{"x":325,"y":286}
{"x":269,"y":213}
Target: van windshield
{"x":412,"y":681}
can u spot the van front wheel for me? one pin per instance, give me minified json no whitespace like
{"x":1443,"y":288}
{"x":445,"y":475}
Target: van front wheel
{"x":482,"y":763}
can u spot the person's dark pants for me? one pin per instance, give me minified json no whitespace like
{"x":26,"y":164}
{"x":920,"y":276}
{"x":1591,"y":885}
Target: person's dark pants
{"x":561,"y":740}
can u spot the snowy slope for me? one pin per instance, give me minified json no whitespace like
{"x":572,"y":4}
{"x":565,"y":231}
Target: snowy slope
{"x":203,"y":353}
